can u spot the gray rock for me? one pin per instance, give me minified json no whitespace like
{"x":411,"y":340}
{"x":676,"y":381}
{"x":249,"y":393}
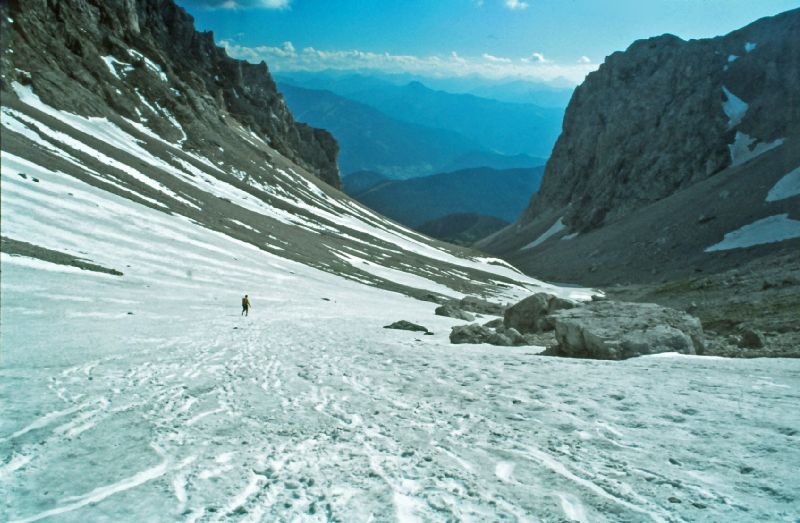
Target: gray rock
{"x":620,"y":151}
{"x":495,"y":323}
{"x":407,"y":326}
{"x":479,"y":306}
{"x":507,"y":337}
{"x":472,"y":333}
{"x":618,"y":330}
{"x":532,"y":314}
{"x":475,"y":333}
{"x":451,"y":311}
{"x":751,"y":339}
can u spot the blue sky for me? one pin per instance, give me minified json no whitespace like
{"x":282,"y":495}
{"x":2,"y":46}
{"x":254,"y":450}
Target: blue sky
{"x":534,"y":39}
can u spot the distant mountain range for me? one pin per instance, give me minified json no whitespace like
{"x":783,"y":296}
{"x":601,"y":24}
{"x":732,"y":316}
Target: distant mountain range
{"x":507,"y":128}
{"x":371,"y":140}
{"x":462,"y":228}
{"x":405,"y":131}
{"x":501,"y":194}
{"x":544,"y":94}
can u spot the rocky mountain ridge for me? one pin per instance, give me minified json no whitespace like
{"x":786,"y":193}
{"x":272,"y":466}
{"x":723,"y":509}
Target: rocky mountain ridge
{"x":666,"y":114}
{"x":153,"y":50}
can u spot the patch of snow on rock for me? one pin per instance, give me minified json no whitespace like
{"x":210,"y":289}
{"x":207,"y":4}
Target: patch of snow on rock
{"x":112,"y":62}
{"x":554,"y":229}
{"x":735,"y":108}
{"x":766,"y":230}
{"x":786,"y":187}
{"x":749,"y":46}
{"x":742,"y":149}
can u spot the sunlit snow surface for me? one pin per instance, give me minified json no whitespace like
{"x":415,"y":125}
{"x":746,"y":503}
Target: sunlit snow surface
{"x":147,"y":397}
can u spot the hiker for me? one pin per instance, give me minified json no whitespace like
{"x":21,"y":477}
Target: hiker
{"x":245,"y":305}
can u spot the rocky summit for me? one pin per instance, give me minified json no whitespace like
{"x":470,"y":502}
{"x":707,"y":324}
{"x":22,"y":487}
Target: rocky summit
{"x":115,"y":54}
{"x":667,"y":148}
{"x":675,"y":180}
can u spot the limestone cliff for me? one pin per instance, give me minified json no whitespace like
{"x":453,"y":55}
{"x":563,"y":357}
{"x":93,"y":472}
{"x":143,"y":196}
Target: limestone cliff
{"x":114,"y":53}
{"x":666,"y":114}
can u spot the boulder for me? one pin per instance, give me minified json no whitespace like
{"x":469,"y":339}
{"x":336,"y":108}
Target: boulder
{"x":507,"y":337}
{"x":612,"y":330}
{"x":407,"y":326}
{"x":533,"y":313}
{"x":475,"y":333}
{"x":451,"y":311}
{"x":493,"y":324}
{"x":472,"y":333}
{"x":751,"y":339}
{"x":479,"y":306}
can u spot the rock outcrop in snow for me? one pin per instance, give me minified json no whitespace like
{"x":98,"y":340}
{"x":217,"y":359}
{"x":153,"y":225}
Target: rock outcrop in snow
{"x":611,"y":330}
{"x":533,"y":313}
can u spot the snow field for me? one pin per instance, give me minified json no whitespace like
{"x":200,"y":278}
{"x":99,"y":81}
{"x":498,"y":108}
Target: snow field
{"x":148,"y":396}
{"x":310,"y":410}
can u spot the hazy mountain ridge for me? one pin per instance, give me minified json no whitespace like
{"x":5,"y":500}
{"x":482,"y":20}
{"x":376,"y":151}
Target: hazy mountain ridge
{"x":506,"y":128}
{"x":498,"y":193}
{"x":371,"y":140}
{"x":462,"y":228}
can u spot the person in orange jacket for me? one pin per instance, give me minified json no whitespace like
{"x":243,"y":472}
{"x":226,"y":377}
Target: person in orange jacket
{"x":245,"y":305}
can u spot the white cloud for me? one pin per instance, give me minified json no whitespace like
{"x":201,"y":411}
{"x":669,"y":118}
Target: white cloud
{"x":288,"y":58}
{"x":584,"y":60}
{"x":536,"y":58}
{"x":516,"y":5}
{"x":212,"y":5}
{"x":495,"y":59}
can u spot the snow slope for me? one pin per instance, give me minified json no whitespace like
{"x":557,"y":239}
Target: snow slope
{"x":147,"y":396}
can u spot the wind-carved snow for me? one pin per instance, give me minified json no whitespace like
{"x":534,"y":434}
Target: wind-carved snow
{"x":397,"y":276}
{"x":554,"y":229}
{"x":766,"y":230}
{"x":786,"y":187}
{"x":742,"y":149}
{"x":150,"y":65}
{"x":34,"y":131}
{"x":111,"y":62}
{"x":734,"y":107}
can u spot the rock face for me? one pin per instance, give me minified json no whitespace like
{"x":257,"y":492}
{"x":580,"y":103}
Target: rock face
{"x":665,"y":149}
{"x":531,"y":315}
{"x":153,"y":44}
{"x":664,"y":114}
{"x":618,"y":330}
